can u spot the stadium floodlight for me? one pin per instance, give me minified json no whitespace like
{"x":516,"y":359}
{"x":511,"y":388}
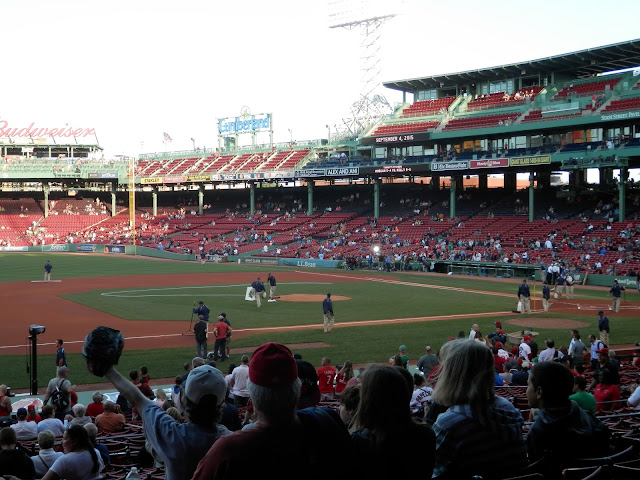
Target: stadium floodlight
{"x":368,"y":16}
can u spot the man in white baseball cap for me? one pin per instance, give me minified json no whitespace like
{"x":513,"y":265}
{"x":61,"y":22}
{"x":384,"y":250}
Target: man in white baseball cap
{"x":181,"y":445}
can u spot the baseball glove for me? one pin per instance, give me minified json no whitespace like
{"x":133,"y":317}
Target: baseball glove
{"x":102,"y":348}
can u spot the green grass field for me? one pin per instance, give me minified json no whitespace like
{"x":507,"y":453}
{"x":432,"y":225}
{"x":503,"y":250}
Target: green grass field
{"x":370,"y":300}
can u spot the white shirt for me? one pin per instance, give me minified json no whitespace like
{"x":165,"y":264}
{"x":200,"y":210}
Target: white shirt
{"x":53,"y":424}
{"x":43,"y":461}
{"x":239,"y":376}
{"x":420,"y":398}
{"x":25,"y":430}
{"x":77,"y":466}
{"x":547,"y":355}
{"x":634,"y":399}
{"x":472,"y":334}
{"x":524,"y":350}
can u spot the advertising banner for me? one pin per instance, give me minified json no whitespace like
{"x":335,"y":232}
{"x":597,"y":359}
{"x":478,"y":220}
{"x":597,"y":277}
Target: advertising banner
{"x":114,"y":249}
{"x":85,"y":248}
{"x":175,"y":179}
{"x":198,"y":178}
{"x":452,"y":165}
{"x":311,"y":263}
{"x":56,"y":248}
{"x":310,"y":172}
{"x":621,"y":116}
{"x":14,"y":249}
{"x":151,"y":180}
{"x":103,"y":175}
{"x":245,"y":123}
{"x":489,"y":163}
{"x":531,"y":160}
{"x":260,"y":261}
{"x":342,"y":171}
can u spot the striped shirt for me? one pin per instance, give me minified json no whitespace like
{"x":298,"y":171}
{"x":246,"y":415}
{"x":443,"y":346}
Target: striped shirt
{"x":468,"y":441}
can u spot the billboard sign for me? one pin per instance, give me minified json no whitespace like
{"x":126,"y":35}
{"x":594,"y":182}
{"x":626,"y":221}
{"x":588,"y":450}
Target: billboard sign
{"x":532,"y":160}
{"x":245,"y":123}
{"x":110,"y":175}
{"x":438,"y":166}
{"x":389,"y":139}
{"x":489,"y":163}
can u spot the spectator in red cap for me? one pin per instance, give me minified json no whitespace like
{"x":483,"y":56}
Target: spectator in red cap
{"x":303,"y":436}
{"x":33,"y":415}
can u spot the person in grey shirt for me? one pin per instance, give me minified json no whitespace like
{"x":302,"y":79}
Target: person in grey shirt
{"x":427,"y":361}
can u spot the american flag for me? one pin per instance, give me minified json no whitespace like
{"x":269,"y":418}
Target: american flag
{"x":167,"y":137}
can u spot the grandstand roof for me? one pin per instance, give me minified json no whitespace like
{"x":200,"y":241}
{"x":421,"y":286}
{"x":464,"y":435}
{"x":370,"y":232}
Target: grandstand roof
{"x":582,"y":63}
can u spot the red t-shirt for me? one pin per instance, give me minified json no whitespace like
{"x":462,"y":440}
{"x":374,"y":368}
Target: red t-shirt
{"x":325,"y":378}
{"x":36,"y":419}
{"x":94,"y":409}
{"x":220,"y":330}
{"x":606,"y":393}
{"x":341,"y":382}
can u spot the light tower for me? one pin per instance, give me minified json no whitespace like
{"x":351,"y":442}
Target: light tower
{"x":368,"y":17}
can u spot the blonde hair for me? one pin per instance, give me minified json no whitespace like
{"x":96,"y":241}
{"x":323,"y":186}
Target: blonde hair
{"x":161,"y":394}
{"x":467,"y":375}
{"x":175,"y":413}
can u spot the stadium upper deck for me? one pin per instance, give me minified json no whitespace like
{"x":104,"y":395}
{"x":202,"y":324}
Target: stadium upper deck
{"x":566,"y":112}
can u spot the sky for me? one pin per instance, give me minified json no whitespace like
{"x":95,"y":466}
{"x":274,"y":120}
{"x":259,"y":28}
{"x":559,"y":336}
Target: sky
{"x":135,"y":69}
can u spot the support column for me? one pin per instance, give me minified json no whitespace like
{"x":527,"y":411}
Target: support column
{"x":483,"y":182}
{"x":252,"y":199}
{"x":200,"y":199}
{"x":435,"y":182}
{"x":510,"y":183}
{"x":154,"y":200}
{"x":452,"y":198}
{"x":376,"y":198}
{"x":113,"y":204}
{"x":577,"y":177}
{"x":46,"y":187}
{"x":622,"y":187}
{"x":606,"y":175}
{"x":531,"y":192}
{"x":310,"y":197}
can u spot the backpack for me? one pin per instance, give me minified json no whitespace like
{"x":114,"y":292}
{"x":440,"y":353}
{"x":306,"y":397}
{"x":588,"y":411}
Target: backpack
{"x":60,"y":399}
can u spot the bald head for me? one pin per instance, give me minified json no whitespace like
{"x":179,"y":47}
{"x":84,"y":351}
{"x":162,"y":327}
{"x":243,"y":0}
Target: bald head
{"x":428,"y":349}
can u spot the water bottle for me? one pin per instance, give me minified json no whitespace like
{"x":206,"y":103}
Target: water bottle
{"x":133,"y":474}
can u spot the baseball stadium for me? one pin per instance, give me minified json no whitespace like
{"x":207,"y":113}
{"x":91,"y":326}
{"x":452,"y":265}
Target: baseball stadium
{"x":421,"y":225}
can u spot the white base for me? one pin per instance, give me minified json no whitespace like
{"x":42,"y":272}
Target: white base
{"x":271,"y":301}
{"x":248,"y":296}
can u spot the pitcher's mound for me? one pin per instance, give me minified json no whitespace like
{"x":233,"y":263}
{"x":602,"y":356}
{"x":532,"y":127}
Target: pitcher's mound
{"x":304,"y":297}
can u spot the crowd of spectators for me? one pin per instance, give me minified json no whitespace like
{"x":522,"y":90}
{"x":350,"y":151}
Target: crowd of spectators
{"x":456,"y":409}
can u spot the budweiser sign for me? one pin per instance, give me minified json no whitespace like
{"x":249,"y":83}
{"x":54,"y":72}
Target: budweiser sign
{"x":38,"y":132}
